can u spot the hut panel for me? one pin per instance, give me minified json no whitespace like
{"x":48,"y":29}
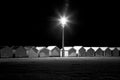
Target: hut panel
{"x":72,"y":52}
{"x":99,"y":53}
{"x":65,"y":54}
{"x":108,"y":52}
{"x":32,"y":53}
{"x":6,"y":52}
{"x":20,"y":52}
{"x":91,"y":52}
{"x":55,"y":52}
{"x":82,"y":52}
{"x":115,"y":52}
{"x":44,"y":53}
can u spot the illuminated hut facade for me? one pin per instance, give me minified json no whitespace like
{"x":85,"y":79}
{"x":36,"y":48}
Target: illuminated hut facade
{"x":77,"y":48}
{"x":66,"y":51}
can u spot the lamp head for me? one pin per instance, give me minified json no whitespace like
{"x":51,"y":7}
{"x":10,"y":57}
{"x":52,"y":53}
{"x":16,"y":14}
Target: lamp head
{"x":63,"y":21}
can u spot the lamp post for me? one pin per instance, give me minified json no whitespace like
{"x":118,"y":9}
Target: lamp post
{"x":63,"y":41}
{"x":63,"y":20}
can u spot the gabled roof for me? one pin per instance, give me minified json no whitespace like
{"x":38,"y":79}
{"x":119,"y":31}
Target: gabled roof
{"x":77,"y":47}
{"x":112,"y":48}
{"x":103,"y":48}
{"x":51,"y":47}
{"x":28,"y":47}
{"x":39,"y":48}
{"x":86,"y":48}
{"x":67,"y":48}
{"x":6,"y":48}
{"x":118,"y":48}
{"x":95,"y":48}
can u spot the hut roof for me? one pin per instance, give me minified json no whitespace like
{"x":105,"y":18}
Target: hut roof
{"x":28,"y":47}
{"x":86,"y":48}
{"x":95,"y":48}
{"x":51,"y":47}
{"x":103,"y":48}
{"x":112,"y":48}
{"x":118,"y":48}
{"x":39,"y":48}
{"x":67,"y":48}
{"x":77,"y":47}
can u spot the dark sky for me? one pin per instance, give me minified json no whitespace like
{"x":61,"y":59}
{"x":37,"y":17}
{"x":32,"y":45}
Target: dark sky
{"x":29,"y":23}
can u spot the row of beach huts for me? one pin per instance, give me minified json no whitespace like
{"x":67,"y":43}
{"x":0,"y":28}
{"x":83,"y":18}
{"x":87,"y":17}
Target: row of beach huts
{"x":54,"y":51}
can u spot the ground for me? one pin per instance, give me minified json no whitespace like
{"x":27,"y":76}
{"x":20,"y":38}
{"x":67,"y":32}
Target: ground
{"x":58,"y":68}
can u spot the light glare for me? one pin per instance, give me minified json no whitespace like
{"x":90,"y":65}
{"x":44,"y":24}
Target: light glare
{"x":63,"y":21}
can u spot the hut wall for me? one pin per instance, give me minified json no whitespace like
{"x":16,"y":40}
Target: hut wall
{"x":82,"y":52}
{"x":72,"y":53}
{"x":55,"y":52}
{"x":115,"y":52}
{"x":6,"y":52}
{"x":32,"y":54}
{"x":44,"y":53}
{"x":20,"y":52}
{"x":108,"y":52}
{"x":65,"y":53}
{"x":99,"y":53}
{"x":91,"y":52}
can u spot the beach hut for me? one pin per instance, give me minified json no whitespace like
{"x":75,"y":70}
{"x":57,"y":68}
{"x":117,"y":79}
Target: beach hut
{"x":54,"y":51}
{"x":111,"y":49}
{"x":43,"y":52}
{"x":99,"y":52}
{"x":20,"y":52}
{"x":72,"y":52}
{"x":108,"y":52}
{"x":90,"y":52}
{"x":6,"y":52}
{"x":103,"y":49}
{"x":118,"y":50}
{"x":95,"y":49}
{"x":86,"y":51}
{"x":1,"y":47}
{"x":82,"y":51}
{"x":31,"y":52}
{"x":115,"y":52}
{"x":14,"y":50}
{"x":77,"y":48}
{"x":66,"y":53}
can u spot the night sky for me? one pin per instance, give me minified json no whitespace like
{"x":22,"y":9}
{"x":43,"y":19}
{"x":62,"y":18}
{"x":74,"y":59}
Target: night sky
{"x":29,"y":23}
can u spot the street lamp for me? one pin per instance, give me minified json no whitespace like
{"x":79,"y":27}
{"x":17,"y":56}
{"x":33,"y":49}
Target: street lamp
{"x":63,"y":18}
{"x":63,"y":21}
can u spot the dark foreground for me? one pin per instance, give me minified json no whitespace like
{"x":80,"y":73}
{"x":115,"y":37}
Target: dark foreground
{"x":84,"y":68}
